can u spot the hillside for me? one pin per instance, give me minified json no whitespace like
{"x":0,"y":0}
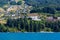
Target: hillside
{"x":43,"y":2}
{"x":35,"y":2}
{"x":6,"y":2}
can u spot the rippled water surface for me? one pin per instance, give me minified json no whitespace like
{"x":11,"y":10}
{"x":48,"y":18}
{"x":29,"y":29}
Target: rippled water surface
{"x":29,"y":36}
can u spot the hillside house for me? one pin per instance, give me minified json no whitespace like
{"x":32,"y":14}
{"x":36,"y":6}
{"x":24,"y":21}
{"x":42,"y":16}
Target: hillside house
{"x":50,"y":18}
{"x":34,"y":16}
{"x":58,"y":18}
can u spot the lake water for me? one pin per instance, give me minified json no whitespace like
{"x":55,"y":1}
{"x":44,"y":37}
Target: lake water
{"x":29,"y":36}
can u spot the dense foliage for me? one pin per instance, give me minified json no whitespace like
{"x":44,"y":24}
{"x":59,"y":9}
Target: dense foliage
{"x":14,"y":3}
{"x":44,"y":10}
{"x":42,"y":2}
{"x":29,"y":25}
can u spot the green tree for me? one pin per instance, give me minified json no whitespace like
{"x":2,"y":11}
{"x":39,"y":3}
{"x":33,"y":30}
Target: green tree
{"x":3,"y":28}
{"x":12,"y":3}
{"x":19,"y":2}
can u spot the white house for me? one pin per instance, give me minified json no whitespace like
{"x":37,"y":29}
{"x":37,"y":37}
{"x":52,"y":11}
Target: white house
{"x":50,"y":18}
{"x":13,"y":15}
{"x":58,"y":18}
{"x":34,"y":16}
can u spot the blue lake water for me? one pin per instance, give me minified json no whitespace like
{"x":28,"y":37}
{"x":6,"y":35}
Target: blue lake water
{"x":29,"y":36}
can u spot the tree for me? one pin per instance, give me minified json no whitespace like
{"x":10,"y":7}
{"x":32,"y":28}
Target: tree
{"x":58,"y":8}
{"x":3,"y":28}
{"x":19,"y":3}
{"x":48,"y":10}
{"x":12,"y":3}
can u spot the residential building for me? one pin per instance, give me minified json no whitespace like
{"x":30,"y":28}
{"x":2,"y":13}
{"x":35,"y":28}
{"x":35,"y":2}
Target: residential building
{"x":34,"y":16}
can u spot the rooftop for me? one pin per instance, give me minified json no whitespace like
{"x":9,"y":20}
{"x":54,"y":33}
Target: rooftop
{"x":33,"y":14}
